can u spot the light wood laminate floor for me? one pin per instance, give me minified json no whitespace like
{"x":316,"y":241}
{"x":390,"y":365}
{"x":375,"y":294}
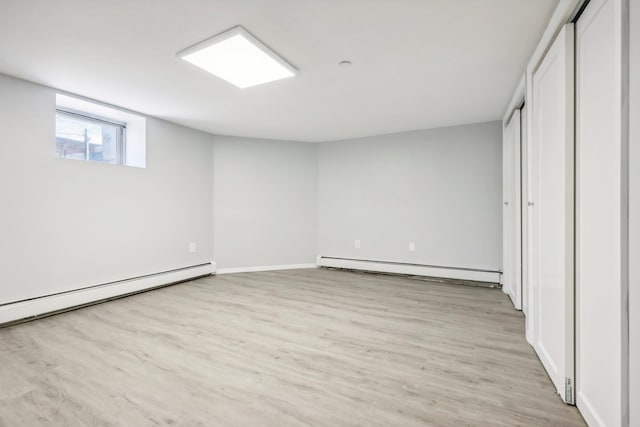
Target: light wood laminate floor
{"x":299,"y":347}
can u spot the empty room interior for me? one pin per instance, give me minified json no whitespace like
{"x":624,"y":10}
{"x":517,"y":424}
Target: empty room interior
{"x":327,"y":213}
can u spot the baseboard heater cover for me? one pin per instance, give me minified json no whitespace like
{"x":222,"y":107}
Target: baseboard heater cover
{"x":42,"y":306}
{"x":469,"y":274}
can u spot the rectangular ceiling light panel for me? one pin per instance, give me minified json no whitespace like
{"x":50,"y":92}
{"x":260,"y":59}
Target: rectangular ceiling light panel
{"x":239,"y":58}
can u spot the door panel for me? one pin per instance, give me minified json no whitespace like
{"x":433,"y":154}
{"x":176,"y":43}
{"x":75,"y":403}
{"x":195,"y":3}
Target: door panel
{"x":511,"y":210}
{"x":598,"y":227}
{"x":634,"y":216}
{"x":551,"y":215}
{"x":524,"y":197}
{"x":506,"y":210}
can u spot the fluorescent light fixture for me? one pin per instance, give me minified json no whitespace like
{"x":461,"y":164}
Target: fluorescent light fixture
{"x":239,"y":58}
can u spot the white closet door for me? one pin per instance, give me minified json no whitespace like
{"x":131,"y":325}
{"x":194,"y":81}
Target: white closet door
{"x":551,"y":215}
{"x":634,"y":216}
{"x":511,"y":210}
{"x":599,"y":212}
{"x":523,"y":209}
{"x":506,"y":209}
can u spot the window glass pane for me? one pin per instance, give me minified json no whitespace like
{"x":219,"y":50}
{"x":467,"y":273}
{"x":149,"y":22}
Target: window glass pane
{"x":84,"y":138}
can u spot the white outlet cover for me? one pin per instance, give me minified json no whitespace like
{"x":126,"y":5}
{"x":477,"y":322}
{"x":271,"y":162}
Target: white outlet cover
{"x":357,"y":244}
{"x":412,"y":247}
{"x":192,"y":247}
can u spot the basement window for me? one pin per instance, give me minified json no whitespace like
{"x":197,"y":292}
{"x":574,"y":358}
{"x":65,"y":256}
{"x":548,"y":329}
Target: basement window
{"x":97,"y":133}
{"x":83,"y":137}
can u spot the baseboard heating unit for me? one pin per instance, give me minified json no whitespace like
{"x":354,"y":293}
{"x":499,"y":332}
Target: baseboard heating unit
{"x":28,"y":309}
{"x":456,"y":273}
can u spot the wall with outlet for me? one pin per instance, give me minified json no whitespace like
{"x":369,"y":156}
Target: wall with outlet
{"x":265,"y":203}
{"x":67,"y":224}
{"x":429,"y":197}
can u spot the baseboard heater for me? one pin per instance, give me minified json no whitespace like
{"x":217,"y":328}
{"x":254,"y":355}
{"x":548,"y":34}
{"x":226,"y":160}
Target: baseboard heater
{"x":28,"y":309}
{"x":456,"y":273}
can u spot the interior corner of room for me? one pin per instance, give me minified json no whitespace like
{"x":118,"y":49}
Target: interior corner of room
{"x":504,"y":153}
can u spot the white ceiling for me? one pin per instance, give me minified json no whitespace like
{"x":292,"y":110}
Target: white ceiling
{"x":416,"y":63}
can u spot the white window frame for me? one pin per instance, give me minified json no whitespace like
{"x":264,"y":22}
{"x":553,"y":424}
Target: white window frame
{"x":121,"y":133}
{"x":134,"y":141}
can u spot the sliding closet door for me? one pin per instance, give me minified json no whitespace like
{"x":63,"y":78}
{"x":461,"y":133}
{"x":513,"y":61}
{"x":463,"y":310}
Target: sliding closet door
{"x":524,"y":244}
{"x":634,"y":216}
{"x":506,"y":210}
{"x":551,"y":212}
{"x":511,"y":210}
{"x":599,"y":211}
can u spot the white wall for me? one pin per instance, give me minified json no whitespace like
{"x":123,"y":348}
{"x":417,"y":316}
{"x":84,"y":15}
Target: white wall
{"x":265,"y":210}
{"x":440,"y":188}
{"x":634,"y":215}
{"x":66,"y":224}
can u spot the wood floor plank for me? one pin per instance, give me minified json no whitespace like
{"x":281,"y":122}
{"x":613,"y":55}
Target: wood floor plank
{"x":298,"y":347}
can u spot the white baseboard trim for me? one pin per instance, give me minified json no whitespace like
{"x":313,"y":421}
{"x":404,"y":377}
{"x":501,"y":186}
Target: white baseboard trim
{"x":35,"y":307}
{"x":553,"y":370}
{"x":264,"y":268}
{"x":587,"y":411}
{"x":528,"y":334}
{"x":410,"y":269}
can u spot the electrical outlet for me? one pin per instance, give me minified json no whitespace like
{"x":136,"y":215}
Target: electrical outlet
{"x":412,"y":247}
{"x":357,"y":244}
{"x":192,"y":248}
